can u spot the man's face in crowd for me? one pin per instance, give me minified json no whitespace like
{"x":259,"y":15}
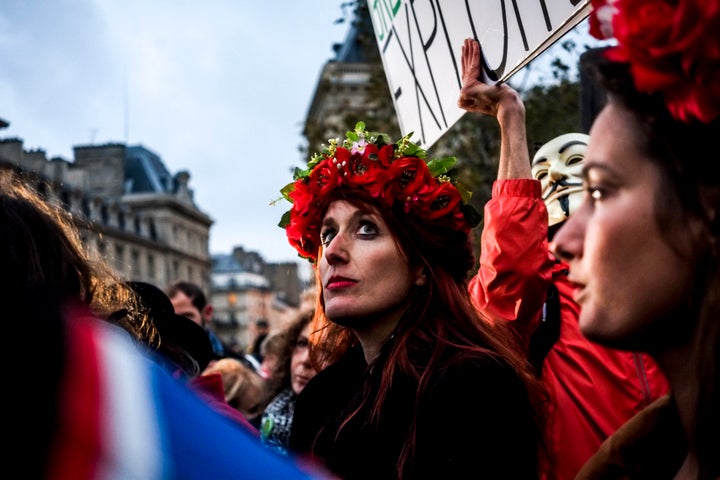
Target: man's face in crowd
{"x":183,"y":306}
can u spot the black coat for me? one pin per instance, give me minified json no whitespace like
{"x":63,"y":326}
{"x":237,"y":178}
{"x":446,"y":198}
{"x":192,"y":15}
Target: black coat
{"x":475,"y":421}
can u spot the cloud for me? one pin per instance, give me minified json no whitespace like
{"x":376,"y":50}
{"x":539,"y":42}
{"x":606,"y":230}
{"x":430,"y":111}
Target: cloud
{"x":219,"y":88}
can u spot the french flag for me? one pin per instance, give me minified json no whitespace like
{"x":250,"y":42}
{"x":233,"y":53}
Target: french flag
{"x":123,"y":417}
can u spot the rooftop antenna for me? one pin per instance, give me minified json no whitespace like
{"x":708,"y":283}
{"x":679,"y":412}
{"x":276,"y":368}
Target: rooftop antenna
{"x":126,"y":109}
{"x":93,"y":134}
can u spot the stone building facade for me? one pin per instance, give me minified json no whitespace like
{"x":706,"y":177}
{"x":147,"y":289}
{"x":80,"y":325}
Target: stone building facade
{"x":144,"y":221}
{"x":246,"y":289}
{"x":129,"y":208}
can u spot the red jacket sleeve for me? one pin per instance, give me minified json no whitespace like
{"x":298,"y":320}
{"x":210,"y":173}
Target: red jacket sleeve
{"x":515,"y":264}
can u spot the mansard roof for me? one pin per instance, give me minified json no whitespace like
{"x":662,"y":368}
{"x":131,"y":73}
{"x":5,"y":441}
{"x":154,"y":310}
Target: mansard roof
{"x":228,"y":273}
{"x":147,"y":172}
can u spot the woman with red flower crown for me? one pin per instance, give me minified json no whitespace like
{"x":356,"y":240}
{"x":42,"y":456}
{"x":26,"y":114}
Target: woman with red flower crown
{"x":644,"y":246}
{"x":417,"y":385}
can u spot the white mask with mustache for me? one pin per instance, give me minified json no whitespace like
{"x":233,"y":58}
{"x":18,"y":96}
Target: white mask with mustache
{"x":558,"y":166}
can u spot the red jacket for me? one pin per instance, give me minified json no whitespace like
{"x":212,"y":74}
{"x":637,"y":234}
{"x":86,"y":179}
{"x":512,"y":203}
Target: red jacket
{"x":594,"y":389}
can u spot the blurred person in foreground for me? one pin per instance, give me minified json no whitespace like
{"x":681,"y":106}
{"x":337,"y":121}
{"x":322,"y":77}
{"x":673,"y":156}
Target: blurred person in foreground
{"x":106,"y":410}
{"x":644,"y":246}
{"x":184,"y":347}
{"x":185,"y":351}
{"x":43,"y":235}
{"x":594,"y":389}
{"x":389,"y":233}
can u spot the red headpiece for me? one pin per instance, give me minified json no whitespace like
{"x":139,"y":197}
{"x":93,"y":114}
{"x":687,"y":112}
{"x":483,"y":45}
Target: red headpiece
{"x":672,"y":47}
{"x":395,"y":174}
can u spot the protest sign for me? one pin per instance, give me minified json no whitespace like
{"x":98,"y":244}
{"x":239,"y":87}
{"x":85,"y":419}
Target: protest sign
{"x":420,"y":44}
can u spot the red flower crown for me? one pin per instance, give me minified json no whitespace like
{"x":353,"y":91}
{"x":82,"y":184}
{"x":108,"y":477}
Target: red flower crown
{"x":672,"y":46}
{"x":392,"y":173}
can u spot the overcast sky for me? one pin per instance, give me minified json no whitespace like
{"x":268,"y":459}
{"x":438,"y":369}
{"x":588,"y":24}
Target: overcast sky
{"x":216,"y":87}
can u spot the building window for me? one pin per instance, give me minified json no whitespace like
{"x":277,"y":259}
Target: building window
{"x":135,"y":262}
{"x":104,"y":214}
{"x":120,"y":257}
{"x":65,"y":198}
{"x":153,"y":231}
{"x":151,"y":265}
{"x":86,"y":207}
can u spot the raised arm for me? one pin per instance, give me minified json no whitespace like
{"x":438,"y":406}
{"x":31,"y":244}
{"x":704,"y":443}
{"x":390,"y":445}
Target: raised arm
{"x":514,"y":272}
{"x":502,"y":102}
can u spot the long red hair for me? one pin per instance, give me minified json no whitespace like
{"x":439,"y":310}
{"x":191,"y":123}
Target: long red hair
{"x":441,"y":318}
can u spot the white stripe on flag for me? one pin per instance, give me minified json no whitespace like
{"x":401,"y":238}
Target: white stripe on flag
{"x":130,"y":424}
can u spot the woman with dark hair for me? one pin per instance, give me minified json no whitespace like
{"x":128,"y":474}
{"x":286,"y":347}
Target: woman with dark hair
{"x":45,"y":252}
{"x":643,"y":246}
{"x":293,"y":371}
{"x":417,"y":386}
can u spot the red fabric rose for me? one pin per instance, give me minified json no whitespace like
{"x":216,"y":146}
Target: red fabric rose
{"x":392,"y":174}
{"x":444,"y":199}
{"x":409,"y":174}
{"x":672,"y":47}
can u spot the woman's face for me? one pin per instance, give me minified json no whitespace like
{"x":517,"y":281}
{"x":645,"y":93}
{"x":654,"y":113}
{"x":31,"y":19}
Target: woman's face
{"x":629,"y":278}
{"x":301,"y":370}
{"x":365,"y":277}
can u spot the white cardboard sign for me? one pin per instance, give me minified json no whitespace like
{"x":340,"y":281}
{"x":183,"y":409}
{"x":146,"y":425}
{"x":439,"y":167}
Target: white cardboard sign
{"x":420,"y":44}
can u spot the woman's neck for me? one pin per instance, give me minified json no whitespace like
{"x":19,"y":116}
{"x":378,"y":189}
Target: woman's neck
{"x":373,"y":338}
{"x":374,"y":331}
{"x":679,"y":369}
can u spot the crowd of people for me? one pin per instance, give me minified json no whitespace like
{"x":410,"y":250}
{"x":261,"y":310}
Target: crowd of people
{"x":585,"y":346}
